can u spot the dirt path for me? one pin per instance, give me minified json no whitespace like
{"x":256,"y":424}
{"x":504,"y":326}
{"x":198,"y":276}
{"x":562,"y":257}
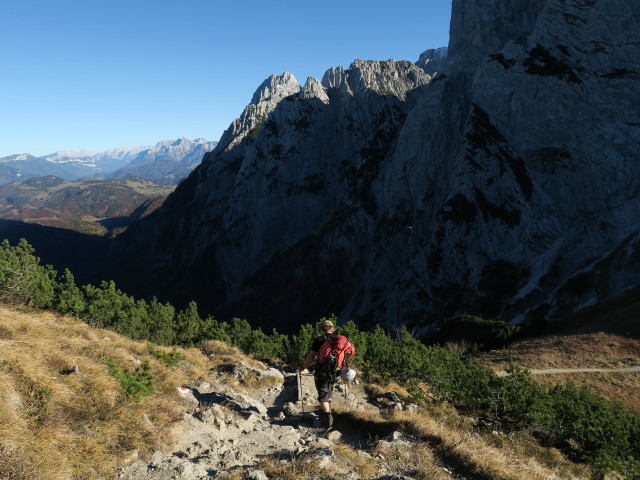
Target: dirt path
{"x":502,"y":373}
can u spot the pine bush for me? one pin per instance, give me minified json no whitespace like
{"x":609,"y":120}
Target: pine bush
{"x":170,"y":359}
{"x":23,"y":281}
{"x":136,"y":384}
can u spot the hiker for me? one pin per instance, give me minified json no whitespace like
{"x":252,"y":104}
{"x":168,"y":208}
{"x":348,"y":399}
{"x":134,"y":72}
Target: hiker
{"x":330,"y":350}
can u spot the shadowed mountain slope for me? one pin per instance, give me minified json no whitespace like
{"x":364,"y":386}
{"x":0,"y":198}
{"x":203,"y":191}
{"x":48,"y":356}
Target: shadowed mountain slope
{"x":504,"y":185}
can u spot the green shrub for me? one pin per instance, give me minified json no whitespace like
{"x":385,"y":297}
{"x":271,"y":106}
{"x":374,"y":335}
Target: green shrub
{"x":189,"y":327}
{"x":600,"y":431}
{"x":168,"y":358}
{"x":136,"y":384}
{"x":23,"y":281}
{"x":299,"y":345}
{"x":68,"y":298}
{"x":160,"y":323}
{"x":104,"y":305}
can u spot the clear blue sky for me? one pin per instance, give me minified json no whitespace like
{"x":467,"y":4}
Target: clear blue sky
{"x":96,"y":75}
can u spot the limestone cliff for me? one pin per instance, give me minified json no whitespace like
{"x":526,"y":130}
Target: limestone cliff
{"x":499,"y":181}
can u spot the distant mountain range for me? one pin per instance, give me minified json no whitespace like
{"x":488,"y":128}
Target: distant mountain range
{"x":166,"y":163}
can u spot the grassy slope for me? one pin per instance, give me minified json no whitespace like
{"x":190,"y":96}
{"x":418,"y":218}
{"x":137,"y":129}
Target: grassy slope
{"x":602,"y":336}
{"x":78,"y":425}
{"x":578,"y":350}
{"x":59,"y":426}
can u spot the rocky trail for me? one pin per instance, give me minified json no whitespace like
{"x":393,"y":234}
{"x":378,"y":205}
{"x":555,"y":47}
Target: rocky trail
{"x":244,"y":416}
{"x":228,"y":428}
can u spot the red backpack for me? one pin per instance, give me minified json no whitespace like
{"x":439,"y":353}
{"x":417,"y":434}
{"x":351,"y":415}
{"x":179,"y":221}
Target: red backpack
{"x":334,"y":355}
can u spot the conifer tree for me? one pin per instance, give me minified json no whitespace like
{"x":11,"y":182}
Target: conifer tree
{"x":68,"y":297}
{"x":189,"y":325}
{"x":23,"y":280}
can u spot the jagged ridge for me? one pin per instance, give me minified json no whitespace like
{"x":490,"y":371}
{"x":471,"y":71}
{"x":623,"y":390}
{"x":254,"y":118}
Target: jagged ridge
{"x":501,"y":186}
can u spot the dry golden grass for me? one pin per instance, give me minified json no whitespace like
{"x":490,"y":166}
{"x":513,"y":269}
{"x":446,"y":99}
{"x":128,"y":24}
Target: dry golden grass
{"x":624,"y":387}
{"x":594,"y":350}
{"x":15,"y":465}
{"x":379,"y":389}
{"x":344,"y":463}
{"x":418,"y":461}
{"x":349,"y":459}
{"x":61,"y":426}
{"x":304,"y":467}
{"x":231,"y":476}
{"x":466,"y":450}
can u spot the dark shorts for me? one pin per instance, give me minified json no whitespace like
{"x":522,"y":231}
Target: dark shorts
{"x":324,"y":387}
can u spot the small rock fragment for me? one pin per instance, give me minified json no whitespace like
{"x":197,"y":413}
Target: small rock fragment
{"x":257,"y":475}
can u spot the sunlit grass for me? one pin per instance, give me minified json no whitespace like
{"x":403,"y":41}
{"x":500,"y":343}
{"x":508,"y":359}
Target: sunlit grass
{"x":59,"y":424}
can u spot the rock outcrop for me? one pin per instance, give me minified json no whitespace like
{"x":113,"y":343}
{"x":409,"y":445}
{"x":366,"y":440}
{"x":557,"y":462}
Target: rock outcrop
{"x":500,"y":181}
{"x":225,"y":429}
{"x":298,"y":160}
{"x":432,"y":61}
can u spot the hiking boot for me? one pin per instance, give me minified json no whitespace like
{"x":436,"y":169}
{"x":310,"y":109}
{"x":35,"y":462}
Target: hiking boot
{"x":328,"y":419}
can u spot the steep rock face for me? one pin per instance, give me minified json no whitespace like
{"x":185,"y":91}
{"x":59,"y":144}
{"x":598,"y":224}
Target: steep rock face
{"x":264,"y":216}
{"x":432,"y":61}
{"x":533,"y":210}
{"x":504,"y":186}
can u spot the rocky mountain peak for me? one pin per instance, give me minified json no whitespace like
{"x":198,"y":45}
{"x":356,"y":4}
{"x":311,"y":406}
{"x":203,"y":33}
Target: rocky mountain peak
{"x":18,"y":157}
{"x":313,"y":88}
{"x":275,"y":88}
{"x":432,"y":61}
{"x":265,"y":99}
{"x":67,"y":155}
{"x":387,"y":77}
{"x":336,"y":77}
{"x":175,"y":143}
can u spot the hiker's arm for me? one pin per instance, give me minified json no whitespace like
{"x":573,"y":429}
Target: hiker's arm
{"x":307,"y":361}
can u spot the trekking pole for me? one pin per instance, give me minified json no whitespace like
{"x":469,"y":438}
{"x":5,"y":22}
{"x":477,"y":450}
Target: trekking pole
{"x":300,"y":394}
{"x":346,"y":395}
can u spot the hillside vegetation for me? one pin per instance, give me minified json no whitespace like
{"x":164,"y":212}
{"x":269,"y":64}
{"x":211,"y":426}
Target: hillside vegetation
{"x":93,"y":206}
{"x":61,"y":425}
{"x":582,"y":424}
{"x":58,"y":424}
{"x":575,"y":351}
